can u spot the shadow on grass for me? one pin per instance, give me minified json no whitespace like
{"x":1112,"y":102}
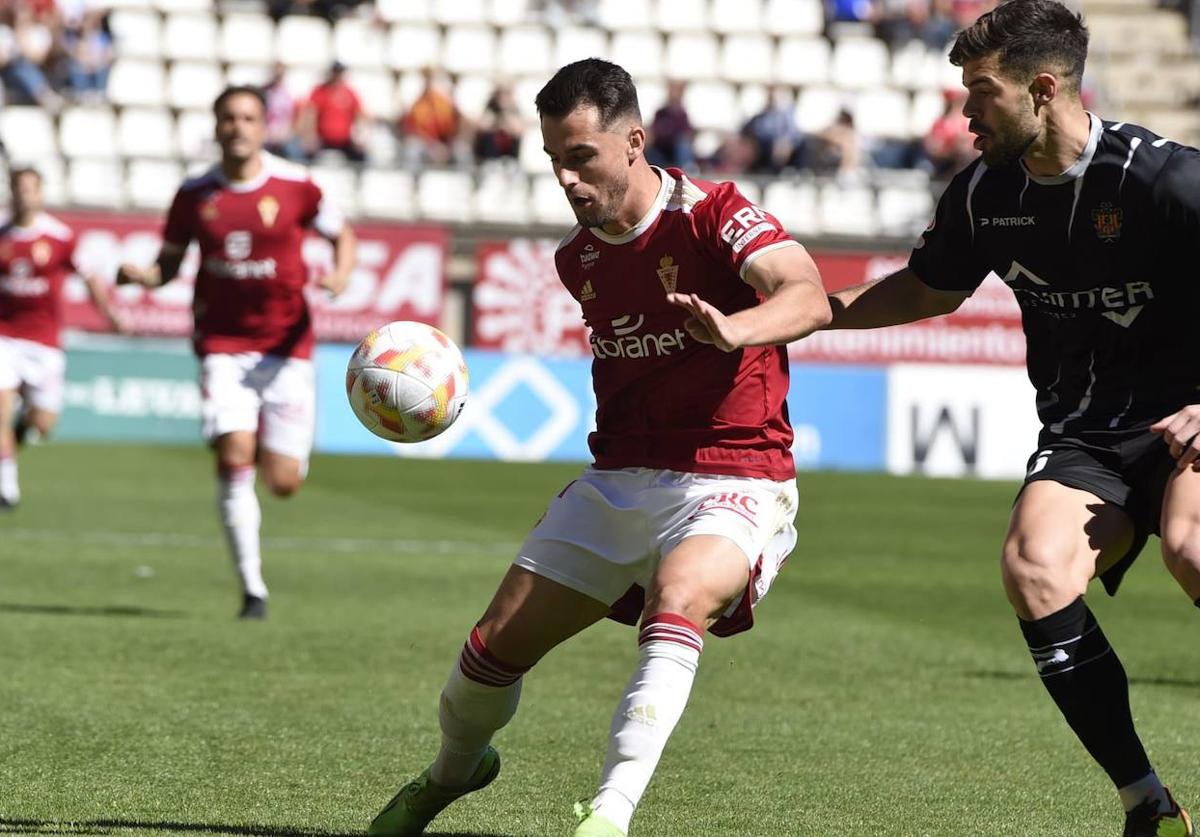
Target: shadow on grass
{"x":15,"y":826}
{"x":74,"y":610}
{"x":1134,"y":680}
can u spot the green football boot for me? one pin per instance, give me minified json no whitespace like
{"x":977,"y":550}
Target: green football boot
{"x":1146,"y":821}
{"x":422,"y":799}
{"x":592,"y":824}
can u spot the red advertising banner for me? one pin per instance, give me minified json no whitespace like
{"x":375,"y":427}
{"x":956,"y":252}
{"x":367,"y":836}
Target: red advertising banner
{"x":400,"y":275}
{"x":520,"y":306}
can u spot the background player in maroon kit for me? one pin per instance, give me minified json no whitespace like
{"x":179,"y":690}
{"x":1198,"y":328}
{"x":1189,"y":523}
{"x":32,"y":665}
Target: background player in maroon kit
{"x":36,"y":257}
{"x":253,"y":328}
{"x":686,"y":515}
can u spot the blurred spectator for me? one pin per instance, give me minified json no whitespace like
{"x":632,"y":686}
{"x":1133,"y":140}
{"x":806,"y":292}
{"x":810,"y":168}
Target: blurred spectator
{"x":25,"y":44}
{"x":331,"y":117}
{"x":281,"y":116}
{"x":331,"y":10}
{"x":778,"y":139}
{"x":89,"y":56}
{"x":848,"y":11}
{"x":899,"y":21}
{"x":433,"y":131}
{"x":949,"y":145}
{"x":838,"y":149}
{"x":500,"y":127}
{"x":556,"y":13}
{"x":735,"y":156}
{"x":671,"y":132}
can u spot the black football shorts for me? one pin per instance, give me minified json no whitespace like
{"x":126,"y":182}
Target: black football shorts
{"x":1128,"y":468}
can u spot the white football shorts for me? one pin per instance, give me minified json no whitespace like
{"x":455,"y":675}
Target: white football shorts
{"x":36,"y":370}
{"x":604,"y":534}
{"x":272,"y":396}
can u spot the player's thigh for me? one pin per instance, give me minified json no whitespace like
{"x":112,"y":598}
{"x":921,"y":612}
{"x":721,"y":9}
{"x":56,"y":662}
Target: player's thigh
{"x":530,"y":614}
{"x":42,"y":420}
{"x":282,"y":474}
{"x":1181,"y":529}
{"x":235,"y":450}
{"x":8,"y":407}
{"x":1058,"y":539}
{"x":288,"y":416}
{"x":698,"y":579}
{"x":228,"y":403}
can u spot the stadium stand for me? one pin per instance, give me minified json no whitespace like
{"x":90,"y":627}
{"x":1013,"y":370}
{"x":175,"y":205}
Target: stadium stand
{"x":173,"y":56}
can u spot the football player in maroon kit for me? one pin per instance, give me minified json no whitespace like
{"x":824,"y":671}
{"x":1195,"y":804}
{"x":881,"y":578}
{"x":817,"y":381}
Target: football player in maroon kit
{"x":686,"y":514}
{"x":36,"y":257}
{"x":253,"y":329}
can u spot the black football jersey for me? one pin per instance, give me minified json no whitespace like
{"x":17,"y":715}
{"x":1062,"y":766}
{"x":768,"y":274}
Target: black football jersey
{"x":1103,"y":260}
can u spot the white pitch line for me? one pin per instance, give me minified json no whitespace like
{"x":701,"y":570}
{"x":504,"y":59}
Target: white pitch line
{"x":154,"y":540}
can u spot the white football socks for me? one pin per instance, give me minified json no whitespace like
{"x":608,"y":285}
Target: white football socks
{"x":480,"y":697}
{"x":10,"y":490}
{"x":1148,"y":786}
{"x":242,"y":518}
{"x":669,"y":652}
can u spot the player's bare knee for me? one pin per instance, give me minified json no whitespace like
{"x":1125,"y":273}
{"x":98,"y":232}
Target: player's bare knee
{"x":43,"y":422}
{"x":1038,"y":576}
{"x":1181,"y":546}
{"x":284,"y":485}
{"x":686,"y":598}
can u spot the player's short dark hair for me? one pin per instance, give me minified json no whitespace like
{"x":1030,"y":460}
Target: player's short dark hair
{"x":1028,"y":37}
{"x":237,"y":90}
{"x":592,"y":81}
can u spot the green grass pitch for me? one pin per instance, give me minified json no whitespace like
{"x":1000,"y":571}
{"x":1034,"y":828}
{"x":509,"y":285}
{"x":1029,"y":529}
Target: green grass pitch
{"x":885,"y":691}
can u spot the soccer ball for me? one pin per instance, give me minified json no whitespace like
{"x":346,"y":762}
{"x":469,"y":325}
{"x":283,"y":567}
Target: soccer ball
{"x":406,"y":382}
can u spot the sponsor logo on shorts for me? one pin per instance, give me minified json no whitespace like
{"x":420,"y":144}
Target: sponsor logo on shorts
{"x":743,"y":505}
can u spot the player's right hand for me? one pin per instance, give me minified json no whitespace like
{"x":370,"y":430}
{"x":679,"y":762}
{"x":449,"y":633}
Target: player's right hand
{"x":132,"y":274}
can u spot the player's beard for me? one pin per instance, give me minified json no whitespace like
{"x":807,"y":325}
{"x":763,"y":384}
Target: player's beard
{"x":606,"y":206}
{"x":1007,"y":145}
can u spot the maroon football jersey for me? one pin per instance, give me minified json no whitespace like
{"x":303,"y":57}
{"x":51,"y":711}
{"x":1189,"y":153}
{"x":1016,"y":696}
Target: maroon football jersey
{"x":35,"y":261}
{"x":664,"y":400}
{"x":250,"y":286}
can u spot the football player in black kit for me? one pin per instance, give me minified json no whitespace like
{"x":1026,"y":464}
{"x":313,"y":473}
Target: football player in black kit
{"x":1095,"y":226}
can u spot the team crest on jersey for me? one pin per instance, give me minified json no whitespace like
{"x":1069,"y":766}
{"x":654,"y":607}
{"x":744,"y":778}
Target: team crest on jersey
{"x":209,"y":211}
{"x":40,"y":252}
{"x":587,"y":259}
{"x":668,"y":273}
{"x":268,"y":210}
{"x":1107,"y":220}
{"x":586,"y":293}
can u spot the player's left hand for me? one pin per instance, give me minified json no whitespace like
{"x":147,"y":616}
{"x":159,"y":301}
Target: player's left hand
{"x":334,"y":282}
{"x":707,"y":324}
{"x":1181,"y":431}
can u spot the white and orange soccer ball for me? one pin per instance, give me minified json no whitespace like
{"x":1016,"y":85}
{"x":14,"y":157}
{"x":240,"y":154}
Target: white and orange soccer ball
{"x":407,"y":382}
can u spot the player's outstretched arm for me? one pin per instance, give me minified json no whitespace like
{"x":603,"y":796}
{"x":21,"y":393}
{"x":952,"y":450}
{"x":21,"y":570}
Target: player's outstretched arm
{"x":164,"y":269}
{"x":900,"y":297}
{"x":794,"y":305}
{"x":98,"y":291}
{"x":345,"y":246}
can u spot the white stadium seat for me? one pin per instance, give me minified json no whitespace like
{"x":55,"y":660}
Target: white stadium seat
{"x":258,"y":74}
{"x":681,"y":16}
{"x":904,"y":210}
{"x":54,"y":180}
{"x":411,"y":47}
{"x":532,"y":155}
{"x":927,"y":106}
{"x":339,"y":185}
{"x":445,"y":195}
{"x":192,"y":84}
{"x":503,"y":13}
{"x":247,"y":38}
{"x":817,"y":107}
{"x":794,"y":203}
{"x":376,"y":89}
{"x":860,"y":63}
{"x":380,"y":143}
{"x":752,"y":98}
{"x":847,"y":210}
{"x":574,"y":43}
{"x":134,"y":81}
{"x":549,"y":203}
{"x":188,"y":37}
{"x":129,"y":4}
{"x":408,"y":88}
{"x":712,"y":105}
{"x":404,"y":11}
{"x":96,"y":183}
{"x":137,"y":33}
{"x":729,"y":16}
{"x":303,"y":41}
{"x":386,"y":193}
{"x":358,"y":42}
{"x":747,"y":58}
{"x":652,"y":95}
{"x":639,"y":52}
{"x":472,"y":93}
{"x":525,"y":51}
{"x":802,"y":61}
{"x":461,"y":12}
{"x":882,"y":112}
{"x":615,"y":15}
{"x":28,"y":132}
{"x":153,"y":183}
{"x":196,"y":6}
{"x":88,"y":132}
{"x":691,"y":55}
{"x":502,"y":197}
{"x":146,"y":132}
{"x":908,"y":62}
{"x":469,"y":49}
{"x":750,"y":190}
{"x":794,"y":17}
{"x":194,"y":135}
